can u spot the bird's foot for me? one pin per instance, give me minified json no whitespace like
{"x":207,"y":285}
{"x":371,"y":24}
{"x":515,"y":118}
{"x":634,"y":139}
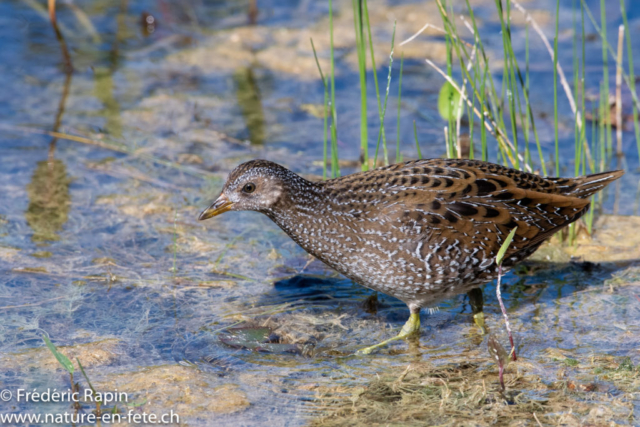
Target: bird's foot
{"x":412,"y":326}
{"x":476,"y":300}
{"x":478,"y":318}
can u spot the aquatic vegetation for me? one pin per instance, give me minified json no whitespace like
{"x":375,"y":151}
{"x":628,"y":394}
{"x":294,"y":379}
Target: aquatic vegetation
{"x":462,"y":394}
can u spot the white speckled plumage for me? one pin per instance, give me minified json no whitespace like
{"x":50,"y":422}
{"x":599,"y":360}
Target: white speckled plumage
{"x":422,"y":230}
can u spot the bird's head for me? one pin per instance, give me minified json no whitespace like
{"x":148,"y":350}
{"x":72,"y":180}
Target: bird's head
{"x":257,"y":185}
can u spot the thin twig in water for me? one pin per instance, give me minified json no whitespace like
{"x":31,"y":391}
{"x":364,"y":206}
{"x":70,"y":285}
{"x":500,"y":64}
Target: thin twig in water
{"x":279,"y":309}
{"x":537,"y":420}
{"x":51,"y":4}
{"x":6,"y":307}
{"x":420,"y":31}
{"x":499,"y":258}
{"x":120,"y":148}
{"x":505,"y":315}
{"x":308,"y":263}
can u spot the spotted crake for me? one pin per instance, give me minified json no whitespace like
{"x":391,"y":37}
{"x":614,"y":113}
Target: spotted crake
{"x":420,"y":231}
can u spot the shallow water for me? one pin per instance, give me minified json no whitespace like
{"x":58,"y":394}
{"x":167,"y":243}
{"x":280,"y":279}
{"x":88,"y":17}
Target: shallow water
{"x":101,"y":250}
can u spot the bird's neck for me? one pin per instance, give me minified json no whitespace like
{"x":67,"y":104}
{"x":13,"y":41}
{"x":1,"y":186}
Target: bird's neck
{"x":299,"y":208}
{"x":313,"y":219}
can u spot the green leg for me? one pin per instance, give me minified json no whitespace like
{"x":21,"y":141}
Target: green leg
{"x":476,"y":301}
{"x":412,"y":326}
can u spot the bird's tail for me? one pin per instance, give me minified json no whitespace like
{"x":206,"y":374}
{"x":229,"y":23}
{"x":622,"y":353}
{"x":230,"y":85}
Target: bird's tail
{"x":586,"y":186}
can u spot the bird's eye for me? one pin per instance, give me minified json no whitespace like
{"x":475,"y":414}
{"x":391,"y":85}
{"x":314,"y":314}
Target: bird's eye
{"x":249,"y":188}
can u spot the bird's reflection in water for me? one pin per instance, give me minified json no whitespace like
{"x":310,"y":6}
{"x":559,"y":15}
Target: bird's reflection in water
{"x":49,"y":200}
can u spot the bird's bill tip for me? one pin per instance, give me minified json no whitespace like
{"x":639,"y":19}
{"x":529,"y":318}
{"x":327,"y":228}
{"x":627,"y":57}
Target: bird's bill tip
{"x":221,"y":205}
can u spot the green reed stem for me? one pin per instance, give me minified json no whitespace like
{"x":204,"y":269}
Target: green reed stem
{"x":377,"y":87}
{"x":555,"y":89}
{"x":335,"y":167}
{"x":613,"y":54}
{"x":605,"y":71}
{"x":513,"y":95}
{"x":576,"y":94}
{"x":483,"y":128}
{"x":586,"y":149}
{"x":384,"y":109}
{"x":398,"y":155}
{"x":632,"y":79}
{"x":415,"y":135}
{"x":362,"y":67}
{"x":326,"y":113}
{"x":525,"y":119}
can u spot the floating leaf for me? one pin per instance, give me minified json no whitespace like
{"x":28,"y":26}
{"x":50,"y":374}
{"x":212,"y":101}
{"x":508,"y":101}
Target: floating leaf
{"x":257,"y":339}
{"x":247,"y":335}
{"x":505,"y":246}
{"x":449,"y":102}
{"x":571,"y":362}
{"x":64,"y":360}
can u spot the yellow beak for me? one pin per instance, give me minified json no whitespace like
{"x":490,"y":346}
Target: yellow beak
{"x":219,"y":206}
